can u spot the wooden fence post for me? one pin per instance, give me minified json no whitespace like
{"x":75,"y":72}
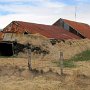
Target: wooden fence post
{"x":61,"y":62}
{"x":29,"y":56}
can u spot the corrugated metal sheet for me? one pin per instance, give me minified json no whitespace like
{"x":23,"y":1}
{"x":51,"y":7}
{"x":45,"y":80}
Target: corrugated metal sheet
{"x":84,"y":29}
{"x":45,"y":30}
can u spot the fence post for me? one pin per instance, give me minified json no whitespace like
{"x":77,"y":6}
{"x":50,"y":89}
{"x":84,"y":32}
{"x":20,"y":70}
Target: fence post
{"x":29,"y":59}
{"x":61,"y":62}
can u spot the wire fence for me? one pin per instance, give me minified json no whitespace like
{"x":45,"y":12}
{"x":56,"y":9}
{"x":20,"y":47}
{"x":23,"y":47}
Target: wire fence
{"x":45,"y":65}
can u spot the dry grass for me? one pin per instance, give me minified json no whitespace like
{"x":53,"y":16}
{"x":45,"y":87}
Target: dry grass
{"x":14,"y":73}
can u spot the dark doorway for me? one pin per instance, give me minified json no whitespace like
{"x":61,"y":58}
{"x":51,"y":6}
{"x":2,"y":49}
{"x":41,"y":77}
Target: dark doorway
{"x":6,"y":49}
{"x":25,"y":33}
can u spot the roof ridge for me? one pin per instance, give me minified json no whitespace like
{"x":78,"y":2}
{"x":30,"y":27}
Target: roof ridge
{"x":31,"y":23}
{"x":76,"y":22}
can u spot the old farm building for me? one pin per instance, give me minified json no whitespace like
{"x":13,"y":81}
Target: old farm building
{"x":10,"y":33}
{"x":45,"y":30}
{"x":80,"y":29}
{"x":62,"y":29}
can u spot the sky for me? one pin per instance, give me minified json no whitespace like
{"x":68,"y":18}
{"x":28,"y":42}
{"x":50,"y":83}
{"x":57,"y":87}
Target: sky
{"x":43,"y":11}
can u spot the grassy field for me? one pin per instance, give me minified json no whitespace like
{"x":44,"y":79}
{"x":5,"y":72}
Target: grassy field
{"x":83,"y":56}
{"x":71,"y":63}
{"x":15,"y":75}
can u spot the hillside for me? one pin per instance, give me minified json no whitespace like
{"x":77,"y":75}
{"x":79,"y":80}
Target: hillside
{"x":15,"y":75}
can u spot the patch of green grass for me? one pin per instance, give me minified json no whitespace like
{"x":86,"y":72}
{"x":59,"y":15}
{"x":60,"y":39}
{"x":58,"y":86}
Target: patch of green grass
{"x":69,"y":63}
{"x":8,"y":56}
{"x":66,"y":63}
{"x":83,"y":56}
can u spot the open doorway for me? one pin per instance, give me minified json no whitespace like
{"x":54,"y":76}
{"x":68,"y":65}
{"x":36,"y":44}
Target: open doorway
{"x":6,"y":49}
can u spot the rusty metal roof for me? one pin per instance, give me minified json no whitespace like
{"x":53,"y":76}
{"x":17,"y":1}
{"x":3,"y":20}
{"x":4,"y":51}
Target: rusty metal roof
{"x":83,"y":28}
{"x":45,"y":30}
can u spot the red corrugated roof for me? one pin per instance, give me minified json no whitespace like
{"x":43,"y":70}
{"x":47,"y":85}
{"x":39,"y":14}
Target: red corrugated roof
{"x":46,"y":30}
{"x":84,"y":29}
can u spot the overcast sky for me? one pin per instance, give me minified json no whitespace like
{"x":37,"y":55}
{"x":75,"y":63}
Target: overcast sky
{"x":43,"y":11}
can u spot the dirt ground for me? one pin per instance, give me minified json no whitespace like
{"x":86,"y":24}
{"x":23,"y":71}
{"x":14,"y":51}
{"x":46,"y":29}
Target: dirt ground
{"x":15,"y":75}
